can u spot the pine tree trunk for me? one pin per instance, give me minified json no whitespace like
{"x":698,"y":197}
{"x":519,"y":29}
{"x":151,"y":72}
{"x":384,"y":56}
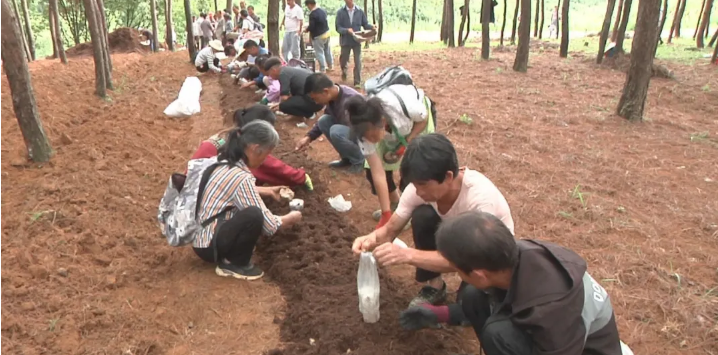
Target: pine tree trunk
{"x":463,"y":12}
{"x":714,"y":60}
{"x":540,"y":32}
{"x":515,"y":23}
{"x":273,"y":26}
{"x":664,"y":16}
{"x":536,"y":18}
{"x":443,"y":29}
{"x":155,"y":37}
{"x":564,"y":29}
{"x":675,"y":19}
{"x":503,"y":24}
{"x":380,"y":34}
{"x":614,"y":34}
{"x":680,"y":18}
{"x":191,"y":47}
{"x":168,"y":21}
{"x":604,"y":30}
{"x":413,"y":20}
{"x":633,"y":100}
{"x":105,"y":42}
{"x":51,"y":21}
{"x":485,"y":34}
{"x":28,"y":55}
{"x":96,"y":38}
{"x":23,"y":97}
{"x":624,"y":23}
{"x":60,"y":47}
{"x":521,"y":63}
{"x":700,"y":16}
{"x":468,"y":25}
{"x":373,"y":11}
{"x":229,"y":7}
{"x":704,"y":24}
{"x":28,"y":29}
{"x":558,"y":24}
{"x":713,"y":39}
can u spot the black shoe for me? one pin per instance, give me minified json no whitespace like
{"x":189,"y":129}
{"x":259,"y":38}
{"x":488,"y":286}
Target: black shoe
{"x":250,"y":272}
{"x":429,"y":295}
{"x":344,"y":76}
{"x":355,"y":169}
{"x":338,"y":164}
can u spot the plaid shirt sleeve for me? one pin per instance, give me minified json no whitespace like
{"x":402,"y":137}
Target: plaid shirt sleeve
{"x":246,"y":195}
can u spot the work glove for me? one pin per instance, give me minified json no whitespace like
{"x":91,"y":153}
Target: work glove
{"x":418,"y":317}
{"x":385,"y":216}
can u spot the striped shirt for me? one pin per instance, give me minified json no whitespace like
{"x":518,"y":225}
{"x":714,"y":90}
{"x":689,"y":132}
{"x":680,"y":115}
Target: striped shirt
{"x":231,"y":186}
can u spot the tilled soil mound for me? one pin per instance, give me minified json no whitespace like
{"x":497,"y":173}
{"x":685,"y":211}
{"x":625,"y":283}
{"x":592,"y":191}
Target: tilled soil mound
{"x":316,"y":272}
{"x":121,"y":40}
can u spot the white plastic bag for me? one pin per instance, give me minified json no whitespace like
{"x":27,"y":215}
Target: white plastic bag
{"x":625,"y":350}
{"x":368,"y":287}
{"x":340,"y":204}
{"x":187,"y":103}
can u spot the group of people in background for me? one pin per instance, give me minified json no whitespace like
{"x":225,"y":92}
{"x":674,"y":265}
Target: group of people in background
{"x":225,"y":26}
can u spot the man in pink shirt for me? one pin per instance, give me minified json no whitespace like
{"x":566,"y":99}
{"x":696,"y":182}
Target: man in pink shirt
{"x":438,"y":189}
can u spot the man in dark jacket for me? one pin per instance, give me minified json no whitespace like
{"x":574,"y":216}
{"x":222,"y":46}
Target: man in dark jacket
{"x":294,"y":101}
{"x":350,"y":19}
{"x":319,"y":33}
{"x":537,"y":297}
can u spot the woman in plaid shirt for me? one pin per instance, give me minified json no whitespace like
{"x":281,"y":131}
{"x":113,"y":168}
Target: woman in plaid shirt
{"x":231,"y":193}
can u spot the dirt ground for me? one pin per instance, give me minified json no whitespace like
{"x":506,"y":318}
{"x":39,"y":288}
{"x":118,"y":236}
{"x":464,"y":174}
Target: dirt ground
{"x":86,"y":271}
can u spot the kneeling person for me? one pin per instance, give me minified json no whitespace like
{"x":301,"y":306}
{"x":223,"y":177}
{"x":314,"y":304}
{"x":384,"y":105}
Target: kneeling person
{"x":293,"y":99}
{"x":207,"y":60}
{"x":526,"y":296}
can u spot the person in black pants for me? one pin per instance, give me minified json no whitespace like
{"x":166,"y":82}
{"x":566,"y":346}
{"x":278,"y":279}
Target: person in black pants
{"x":294,"y":101}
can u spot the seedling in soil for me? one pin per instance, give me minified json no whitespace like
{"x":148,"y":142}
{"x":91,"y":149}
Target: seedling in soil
{"x":675,"y":274}
{"x":699,"y":136}
{"x":577,"y":194}
{"x":34,"y":216}
{"x":706,"y":88}
{"x":466,"y":119}
{"x":53,"y":323}
{"x":565,"y":214}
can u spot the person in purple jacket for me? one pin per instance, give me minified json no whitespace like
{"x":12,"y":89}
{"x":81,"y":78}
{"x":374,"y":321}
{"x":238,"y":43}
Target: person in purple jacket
{"x":334,"y":124}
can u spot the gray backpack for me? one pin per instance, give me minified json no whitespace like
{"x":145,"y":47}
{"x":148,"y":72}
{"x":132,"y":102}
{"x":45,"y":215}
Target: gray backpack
{"x":390,"y":76}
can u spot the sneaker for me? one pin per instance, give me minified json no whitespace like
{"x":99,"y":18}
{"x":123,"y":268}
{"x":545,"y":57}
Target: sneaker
{"x":376,"y":215}
{"x":430,"y":295}
{"x":338,"y":164}
{"x":250,"y":272}
{"x":357,"y":86}
{"x":308,"y":182}
{"x":355,"y":169}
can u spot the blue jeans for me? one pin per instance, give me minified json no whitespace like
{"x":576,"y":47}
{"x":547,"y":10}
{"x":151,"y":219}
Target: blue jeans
{"x":323,"y":53}
{"x":339,"y":136}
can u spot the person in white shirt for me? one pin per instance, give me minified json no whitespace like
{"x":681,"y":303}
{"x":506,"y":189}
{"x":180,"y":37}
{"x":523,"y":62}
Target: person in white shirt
{"x":293,"y":22}
{"x":207,"y":60}
{"x":196,"y":31}
{"x":247,"y":22}
{"x":385,"y":124}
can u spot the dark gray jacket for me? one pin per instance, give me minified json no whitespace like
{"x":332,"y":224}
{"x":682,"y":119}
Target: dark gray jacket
{"x":343,"y":23}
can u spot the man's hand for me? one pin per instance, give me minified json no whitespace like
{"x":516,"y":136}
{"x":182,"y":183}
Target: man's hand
{"x":391,"y":254}
{"x":273,"y":191}
{"x":303,"y":143}
{"x":350,"y":31}
{"x":291,"y":218}
{"x":247,"y":85}
{"x":365,"y":243}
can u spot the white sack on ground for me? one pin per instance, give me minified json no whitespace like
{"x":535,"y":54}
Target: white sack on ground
{"x":187,"y":103}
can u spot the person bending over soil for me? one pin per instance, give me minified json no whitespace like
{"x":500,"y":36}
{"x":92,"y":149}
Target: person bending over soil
{"x":292,"y":80}
{"x":207,"y":60}
{"x":334,"y":124}
{"x":385,"y":124}
{"x":437,"y":189}
{"x":231,"y":194}
{"x":523,"y":297}
{"x":271,"y":171}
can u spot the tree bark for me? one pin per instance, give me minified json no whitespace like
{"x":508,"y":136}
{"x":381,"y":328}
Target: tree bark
{"x":604,"y":30}
{"x":96,"y":37}
{"x":485,"y":34}
{"x":28,"y":55}
{"x":675,"y":18}
{"x":536,"y":18}
{"x":373,"y":11}
{"x":229,"y":6}
{"x":704,"y":24}
{"x":680,"y":18}
{"x":521,"y":63}
{"x":713,"y":39}
{"x":168,"y":21}
{"x":614,"y":34}
{"x":155,"y":38}
{"x":57,"y":40}
{"x":191,"y":48}
{"x":700,"y":16}
{"x":28,"y":29}
{"x":540,"y":32}
{"x":635,"y":91}
{"x":447,"y":23}
{"x":624,"y":23}
{"x":515,"y":23}
{"x":105,"y":41}
{"x":503,"y":24}
{"x":468,"y":25}
{"x":413,"y":20}
{"x":23,"y":97}
{"x":464,"y":14}
{"x":558,"y":25}
{"x":380,"y":33}
{"x":664,"y":16}
{"x":51,"y":21}
{"x":443,"y":29}
{"x":564,"y":29}
{"x":273,"y":26}
{"x":714,"y":60}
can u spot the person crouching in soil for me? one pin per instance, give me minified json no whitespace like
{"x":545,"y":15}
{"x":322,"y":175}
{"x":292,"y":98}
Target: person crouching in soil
{"x":293,"y":100}
{"x":437,"y":189}
{"x":271,"y":171}
{"x":523,"y":296}
{"x":384,"y":125}
{"x":207,"y":60}
{"x":231,"y":194}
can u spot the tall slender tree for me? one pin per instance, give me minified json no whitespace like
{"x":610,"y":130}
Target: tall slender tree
{"x":604,"y":30}
{"x":168,"y":21}
{"x":702,"y":29}
{"x":521,"y":63}
{"x":155,"y":37}
{"x":97,"y":50}
{"x":464,"y":15}
{"x":25,"y":47}
{"x":52,"y":33}
{"x":713,"y":39}
{"x":57,"y":35}
{"x":105,"y":41}
{"x":229,"y":7}
{"x":28,"y":29}
{"x":633,"y":99}
{"x":503,"y":24}
{"x":191,"y":47}
{"x":23,"y":97}
{"x":485,"y":35}
{"x":380,"y":33}
{"x":413,"y":20}
{"x":675,"y":18}
{"x":515,"y":22}
{"x":624,"y":23}
{"x":273,"y":26}
{"x":714,"y":59}
{"x":664,"y":16}
{"x":680,"y":18}
{"x":619,"y":13}
{"x":536,"y":18}
{"x":543,"y":13}
{"x":564,"y":29}
{"x":700,"y":17}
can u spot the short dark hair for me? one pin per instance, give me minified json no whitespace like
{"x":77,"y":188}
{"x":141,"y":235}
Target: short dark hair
{"x":250,"y":44}
{"x":244,"y":13}
{"x":317,"y":82}
{"x":364,"y":114}
{"x":310,"y":2}
{"x":271,"y":63}
{"x":429,"y":157}
{"x":259,"y":60}
{"x":250,"y":7}
{"x":253,"y":72}
{"x":228,"y":50}
{"x":253,"y":113}
{"x":477,"y":240}
{"x":203,"y":15}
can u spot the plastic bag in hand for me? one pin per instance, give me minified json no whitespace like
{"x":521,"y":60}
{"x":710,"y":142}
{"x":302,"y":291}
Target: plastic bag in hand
{"x":368,"y":287}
